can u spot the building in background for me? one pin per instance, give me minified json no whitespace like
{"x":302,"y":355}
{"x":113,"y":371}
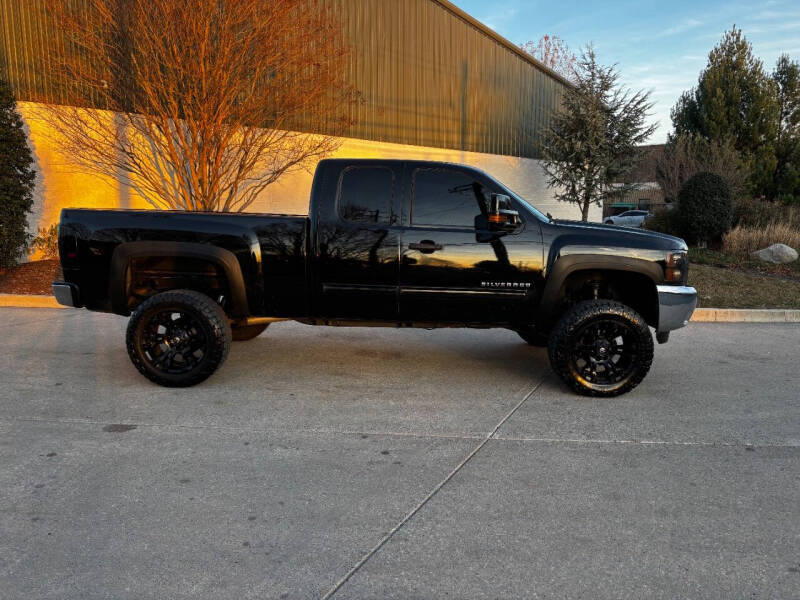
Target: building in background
{"x":436,"y":84}
{"x":647,"y":195}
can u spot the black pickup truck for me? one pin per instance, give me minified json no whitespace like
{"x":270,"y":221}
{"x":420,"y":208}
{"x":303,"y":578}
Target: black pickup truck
{"x":394,"y":243}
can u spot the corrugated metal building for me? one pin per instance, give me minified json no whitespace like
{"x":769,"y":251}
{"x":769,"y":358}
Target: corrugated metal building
{"x":436,"y":84}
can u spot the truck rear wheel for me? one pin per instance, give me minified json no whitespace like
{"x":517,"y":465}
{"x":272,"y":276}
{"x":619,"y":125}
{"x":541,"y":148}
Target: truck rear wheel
{"x":248,"y":332}
{"x":178,"y":338}
{"x":601,"y":348}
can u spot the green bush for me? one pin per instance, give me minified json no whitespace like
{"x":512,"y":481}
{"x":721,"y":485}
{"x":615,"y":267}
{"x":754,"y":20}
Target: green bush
{"x":705,"y":208}
{"x":16,"y":180}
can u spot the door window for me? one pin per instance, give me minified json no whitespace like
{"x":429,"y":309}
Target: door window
{"x":447,"y":198}
{"x":365,"y":195}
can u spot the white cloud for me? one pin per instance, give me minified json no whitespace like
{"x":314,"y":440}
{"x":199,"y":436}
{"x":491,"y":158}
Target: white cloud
{"x":680,"y":28}
{"x":497,"y":19}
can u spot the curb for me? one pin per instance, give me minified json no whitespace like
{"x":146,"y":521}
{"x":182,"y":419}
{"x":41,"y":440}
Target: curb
{"x":29,"y":301}
{"x":701,"y":315}
{"x":745,"y":315}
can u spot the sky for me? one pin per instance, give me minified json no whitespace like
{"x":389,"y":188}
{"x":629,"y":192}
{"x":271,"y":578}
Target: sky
{"x":658,"y":46}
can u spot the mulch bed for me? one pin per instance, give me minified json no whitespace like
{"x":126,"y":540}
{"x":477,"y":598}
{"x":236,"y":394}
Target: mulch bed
{"x":30,"y":278}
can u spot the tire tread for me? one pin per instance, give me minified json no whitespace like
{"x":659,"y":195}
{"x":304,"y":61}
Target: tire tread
{"x":209,"y":310}
{"x":578,"y":315}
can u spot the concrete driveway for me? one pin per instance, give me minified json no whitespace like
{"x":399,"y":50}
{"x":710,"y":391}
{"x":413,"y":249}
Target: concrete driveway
{"x":383,"y":463}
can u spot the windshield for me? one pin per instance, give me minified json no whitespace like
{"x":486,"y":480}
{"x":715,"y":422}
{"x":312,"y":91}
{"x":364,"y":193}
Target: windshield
{"x":519,"y":199}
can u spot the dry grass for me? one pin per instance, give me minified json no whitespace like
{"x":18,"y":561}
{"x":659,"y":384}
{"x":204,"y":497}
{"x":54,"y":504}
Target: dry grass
{"x":744,"y":263}
{"x":727,"y":288}
{"x":744,"y":240}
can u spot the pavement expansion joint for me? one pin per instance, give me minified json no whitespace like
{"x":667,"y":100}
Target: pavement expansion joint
{"x":338,"y":585}
{"x":634,"y":442}
{"x":492,"y":436}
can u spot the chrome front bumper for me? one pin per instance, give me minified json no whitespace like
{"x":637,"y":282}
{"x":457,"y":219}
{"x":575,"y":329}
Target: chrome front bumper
{"x":676,"y":303}
{"x":66,"y":293}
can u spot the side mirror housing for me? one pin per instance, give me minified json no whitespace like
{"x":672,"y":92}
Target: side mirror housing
{"x":501,"y":216}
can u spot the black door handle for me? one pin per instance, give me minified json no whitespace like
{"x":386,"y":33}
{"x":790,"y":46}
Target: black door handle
{"x":425,"y":246}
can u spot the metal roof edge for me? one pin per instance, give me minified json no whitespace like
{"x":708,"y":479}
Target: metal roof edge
{"x":449,"y":6}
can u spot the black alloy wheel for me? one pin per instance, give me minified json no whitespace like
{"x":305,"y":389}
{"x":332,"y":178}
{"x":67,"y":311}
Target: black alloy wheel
{"x":601,"y":348}
{"x":178,"y":338}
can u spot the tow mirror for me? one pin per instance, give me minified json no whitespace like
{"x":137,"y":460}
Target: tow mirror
{"x":501,"y":216}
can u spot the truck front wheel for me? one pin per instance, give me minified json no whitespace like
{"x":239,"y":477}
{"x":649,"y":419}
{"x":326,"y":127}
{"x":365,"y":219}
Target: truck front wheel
{"x":178,"y":338}
{"x":601,"y":348}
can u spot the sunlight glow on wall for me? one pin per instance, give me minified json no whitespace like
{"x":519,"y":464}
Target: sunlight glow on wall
{"x":60,"y":185}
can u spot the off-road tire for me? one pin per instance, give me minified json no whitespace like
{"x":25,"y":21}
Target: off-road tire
{"x":532,"y":337}
{"x":248,"y":332}
{"x":568,"y":342}
{"x":209,"y":326}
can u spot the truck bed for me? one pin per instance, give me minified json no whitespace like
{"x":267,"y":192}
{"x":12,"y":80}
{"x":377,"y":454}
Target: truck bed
{"x":270,"y":246}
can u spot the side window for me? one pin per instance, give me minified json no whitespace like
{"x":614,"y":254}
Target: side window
{"x":365,"y":195}
{"x":447,"y":198}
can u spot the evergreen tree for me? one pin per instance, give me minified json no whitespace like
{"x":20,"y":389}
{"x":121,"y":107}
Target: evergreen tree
{"x":16,"y":180}
{"x":786,"y":177}
{"x":592,"y":141}
{"x":734,"y":99}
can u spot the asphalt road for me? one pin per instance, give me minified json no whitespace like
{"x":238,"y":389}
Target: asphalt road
{"x":383,"y":463}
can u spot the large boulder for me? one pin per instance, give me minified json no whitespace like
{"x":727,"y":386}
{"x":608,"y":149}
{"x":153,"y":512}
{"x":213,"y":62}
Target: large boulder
{"x":777,"y":253}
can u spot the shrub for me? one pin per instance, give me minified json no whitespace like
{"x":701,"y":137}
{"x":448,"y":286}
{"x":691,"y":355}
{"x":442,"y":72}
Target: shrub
{"x":744,"y":240}
{"x":664,"y":221}
{"x":687,"y":154}
{"x":789,"y":200}
{"x":760,"y":213}
{"x":16,"y":180}
{"x":46,"y":243}
{"x":705,"y":208}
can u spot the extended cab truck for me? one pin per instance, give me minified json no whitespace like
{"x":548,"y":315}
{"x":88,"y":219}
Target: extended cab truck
{"x":395,"y":243}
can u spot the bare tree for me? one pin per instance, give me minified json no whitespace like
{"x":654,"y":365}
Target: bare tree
{"x":687,"y":154}
{"x":202,"y":102}
{"x":554,"y":53}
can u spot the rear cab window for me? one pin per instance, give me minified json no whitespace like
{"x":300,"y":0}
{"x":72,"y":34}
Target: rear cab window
{"x":366,"y":194}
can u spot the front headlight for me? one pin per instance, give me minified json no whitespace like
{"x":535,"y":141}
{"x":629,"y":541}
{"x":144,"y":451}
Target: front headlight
{"x":676,"y":268}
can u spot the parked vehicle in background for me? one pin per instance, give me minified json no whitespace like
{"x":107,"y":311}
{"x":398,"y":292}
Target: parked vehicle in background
{"x":390,"y":243}
{"x":630,"y":218}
